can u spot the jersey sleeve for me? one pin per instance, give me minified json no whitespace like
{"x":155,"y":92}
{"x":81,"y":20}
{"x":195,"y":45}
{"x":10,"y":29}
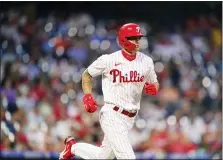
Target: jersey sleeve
{"x":98,"y":66}
{"x":152,"y":77}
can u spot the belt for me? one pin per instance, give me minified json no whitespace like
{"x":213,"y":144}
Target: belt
{"x":127,"y":113}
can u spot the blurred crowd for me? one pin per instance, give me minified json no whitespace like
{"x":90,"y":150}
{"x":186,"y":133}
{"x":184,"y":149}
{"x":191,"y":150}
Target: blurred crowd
{"x":41,"y":97}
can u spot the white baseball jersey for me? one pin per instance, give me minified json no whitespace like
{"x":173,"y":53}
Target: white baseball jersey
{"x":123,"y":80}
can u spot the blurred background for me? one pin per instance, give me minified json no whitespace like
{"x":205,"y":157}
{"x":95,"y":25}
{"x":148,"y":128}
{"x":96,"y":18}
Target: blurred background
{"x":45,"y":47}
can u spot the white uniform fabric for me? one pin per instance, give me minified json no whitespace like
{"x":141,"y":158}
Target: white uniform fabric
{"x":122,"y":85}
{"x":123,"y":80}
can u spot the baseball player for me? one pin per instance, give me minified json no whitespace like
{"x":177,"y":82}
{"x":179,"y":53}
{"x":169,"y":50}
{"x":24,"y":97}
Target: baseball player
{"x":125,"y":74}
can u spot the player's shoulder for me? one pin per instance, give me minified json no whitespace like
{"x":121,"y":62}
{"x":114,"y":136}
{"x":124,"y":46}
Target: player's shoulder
{"x":116,"y":53}
{"x":103,"y":57}
{"x":143,"y":56}
{"x":108,"y":57}
{"x":113,"y":55}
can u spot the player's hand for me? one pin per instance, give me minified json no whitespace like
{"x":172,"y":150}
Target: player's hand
{"x":150,"y":89}
{"x":89,"y":103}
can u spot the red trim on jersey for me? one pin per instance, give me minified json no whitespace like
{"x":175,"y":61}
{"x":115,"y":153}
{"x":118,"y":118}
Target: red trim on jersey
{"x":129,"y":57}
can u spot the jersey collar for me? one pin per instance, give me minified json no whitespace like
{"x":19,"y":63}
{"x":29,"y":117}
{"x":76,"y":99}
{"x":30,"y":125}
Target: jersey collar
{"x":129,"y":57}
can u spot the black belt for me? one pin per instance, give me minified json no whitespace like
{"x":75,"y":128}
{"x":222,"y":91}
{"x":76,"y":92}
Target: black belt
{"x":127,"y":113}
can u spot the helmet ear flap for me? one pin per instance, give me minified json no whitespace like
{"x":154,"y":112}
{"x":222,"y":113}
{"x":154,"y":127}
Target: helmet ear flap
{"x":122,"y":41}
{"x":127,"y":44}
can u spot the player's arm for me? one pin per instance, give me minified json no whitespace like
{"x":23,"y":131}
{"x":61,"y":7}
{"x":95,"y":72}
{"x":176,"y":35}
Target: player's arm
{"x":89,"y":103}
{"x":95,"y":69}
{"x":86,"y":82}
{"x":152,"y":85}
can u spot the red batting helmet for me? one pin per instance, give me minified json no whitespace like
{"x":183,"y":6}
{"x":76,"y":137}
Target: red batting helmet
{"x":128,"y":30}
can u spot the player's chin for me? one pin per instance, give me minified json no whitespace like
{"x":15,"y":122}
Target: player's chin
{"x":136,"y":49}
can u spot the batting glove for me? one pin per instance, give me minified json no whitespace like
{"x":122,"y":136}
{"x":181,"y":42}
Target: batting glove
{"x":150,"y":89}
{"x":89,"y":103}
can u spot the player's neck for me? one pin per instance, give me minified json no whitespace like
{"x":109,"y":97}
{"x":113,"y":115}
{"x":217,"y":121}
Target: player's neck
{"x":128,"y":56}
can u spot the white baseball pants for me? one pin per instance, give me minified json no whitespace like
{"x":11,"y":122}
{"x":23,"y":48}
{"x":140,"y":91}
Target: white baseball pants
{"x":116,"y":127}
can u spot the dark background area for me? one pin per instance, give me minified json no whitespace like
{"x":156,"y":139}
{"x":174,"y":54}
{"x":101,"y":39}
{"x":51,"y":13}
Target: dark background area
{"x":175,"y":12}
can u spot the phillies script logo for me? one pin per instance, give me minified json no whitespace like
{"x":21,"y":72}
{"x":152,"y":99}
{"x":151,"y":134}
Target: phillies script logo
{"x":133,"y":76}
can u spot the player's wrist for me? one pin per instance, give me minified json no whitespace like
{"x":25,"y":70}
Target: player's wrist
{"x":87,"y":94}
